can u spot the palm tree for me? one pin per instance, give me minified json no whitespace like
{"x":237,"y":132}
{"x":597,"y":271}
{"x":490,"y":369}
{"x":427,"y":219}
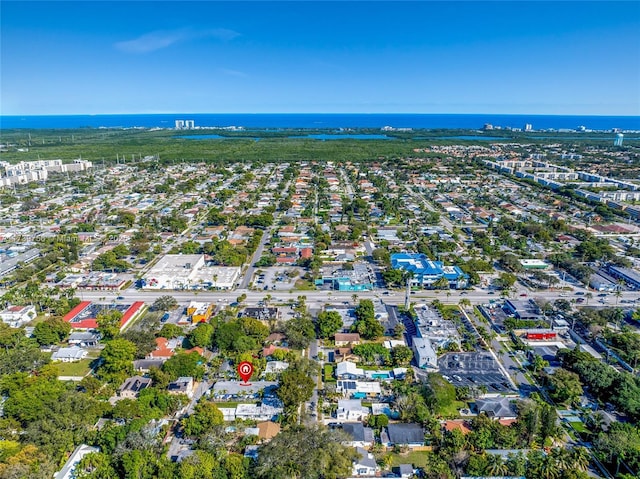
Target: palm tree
{"x":581,"y":457}
{"x":354,"y":298}
{"x":589,"y":295}
{"x":465,"y":302}
{"x":562,"y":458}
{"x":496,"y":466}
{"x":441,"y":283}
{"x":548,"y":468}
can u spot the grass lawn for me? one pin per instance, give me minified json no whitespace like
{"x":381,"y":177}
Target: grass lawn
{"x":416,"y":458}
{"x":79,"y":368}
{"x":328,"y":373}
{"x":580,"y":427}
{"x":453,"y":409}
{"x":303,"y":285}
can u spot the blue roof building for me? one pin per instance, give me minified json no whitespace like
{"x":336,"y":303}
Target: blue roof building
{"x":426,"y":272}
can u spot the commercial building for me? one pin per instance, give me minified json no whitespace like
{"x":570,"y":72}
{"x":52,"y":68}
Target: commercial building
{"x":522,"y":309}
{"x":427,"y":272}
{"x":84,"y":315}
{"x":424,"y":353}
{"x":17,"y":316}
{"x":200,"y":311}
{"x":189,"y":271}
{"x":628,"y":275}
{"x":533,"y":264}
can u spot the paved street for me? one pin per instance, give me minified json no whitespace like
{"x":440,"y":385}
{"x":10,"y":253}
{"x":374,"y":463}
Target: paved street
{"x":320,"y":297}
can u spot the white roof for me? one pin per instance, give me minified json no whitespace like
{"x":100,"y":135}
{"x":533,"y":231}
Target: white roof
{"x":67,"y":472}
{"x":69,"y":353}
{"x":347,"y":367}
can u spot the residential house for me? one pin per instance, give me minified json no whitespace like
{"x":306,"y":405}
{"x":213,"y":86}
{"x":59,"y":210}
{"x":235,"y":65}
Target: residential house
{"x":360,"y":435}
{"x":459,"y":425}
{"x":182,"y":385}
{"x":358,"y":389}
{"x":165,"y":348}
{"x":268,"y":430}
{"x":403,"y":434}
{"x":403,"y":471}
{"x":275,"y":367}
{"x":69,"y":355}
{"x":68,"y":471}
{"x":497,"y":408}
{"x":351,"y":410}
{"x":145,"y":365}
{"x":348,"y":370}
{"x":365,"y":465}
{"x":265,"y":411}
{"x":132,"y":386}
{"x":84,"y":339}
{"x":347,"y":339}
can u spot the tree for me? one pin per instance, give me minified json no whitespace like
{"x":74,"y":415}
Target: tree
{"x":205,"y":417}
{"x":51,"y":331}
{"x":329,"y":322}
{"x":96,"y":466}
{"x":366,"y":324}
{"x":170,"y":331}
{"x":393,"y":277}
{"x":441,"y":283}
{"x":377,"y":421}
{"x":144,"y":340}
{"x":401,"y":355}
{"x":164,"y":303}
{"x":300,"y":332}
{"x":506,"y":281}
{"x":564,"y":386}
{"x":109,"y":322}
{"x":184,"y":364}
{"x":496,"y":466}
{"x":295,"y":388}
{"x":305,"y":453}
{"x":201,"y":335}
{"x":117,"y":359}
{"x":440,"y":394}
{"x":538,"y":363}
{"x":381,"y":255}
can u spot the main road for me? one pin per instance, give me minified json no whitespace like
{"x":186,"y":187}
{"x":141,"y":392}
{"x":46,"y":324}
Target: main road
{"x":322,"y":297}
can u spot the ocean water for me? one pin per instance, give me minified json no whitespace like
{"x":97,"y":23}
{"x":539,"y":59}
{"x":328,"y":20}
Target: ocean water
{"x":321,"y":121}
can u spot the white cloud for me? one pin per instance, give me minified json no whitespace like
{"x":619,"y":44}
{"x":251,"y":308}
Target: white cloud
{"x":160,"y":39}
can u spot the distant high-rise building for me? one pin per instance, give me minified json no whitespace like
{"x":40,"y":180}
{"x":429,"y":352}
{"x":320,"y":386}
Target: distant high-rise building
{"x":185,"y":124}
{"x":528,"y":127}
{"x":618,"y":140}
{"x":488,"y":126}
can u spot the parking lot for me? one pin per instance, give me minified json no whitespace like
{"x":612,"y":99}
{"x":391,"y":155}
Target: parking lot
{"x":276,"y":278}
{"x":473,"y":370}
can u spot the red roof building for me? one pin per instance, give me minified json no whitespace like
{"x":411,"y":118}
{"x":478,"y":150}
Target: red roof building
{"x":84,"y":315}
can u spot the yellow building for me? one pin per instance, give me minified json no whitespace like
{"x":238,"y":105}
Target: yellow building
{"x":200,"y":312}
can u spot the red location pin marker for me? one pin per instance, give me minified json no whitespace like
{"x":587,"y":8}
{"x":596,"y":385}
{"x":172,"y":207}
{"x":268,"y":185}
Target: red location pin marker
{"x":245,"y":370}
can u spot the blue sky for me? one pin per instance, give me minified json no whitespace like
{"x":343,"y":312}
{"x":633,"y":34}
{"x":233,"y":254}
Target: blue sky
{"x":538,"y":57}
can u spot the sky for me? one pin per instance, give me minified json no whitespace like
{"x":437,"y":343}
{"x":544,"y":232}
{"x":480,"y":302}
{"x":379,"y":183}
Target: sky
{"x":511,"y":57}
